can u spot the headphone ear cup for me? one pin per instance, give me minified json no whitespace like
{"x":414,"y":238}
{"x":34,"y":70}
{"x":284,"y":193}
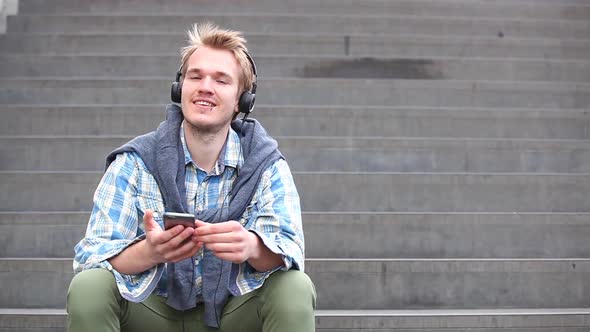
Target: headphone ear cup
{"x":176,"y":92}
{"x":246,"y":103}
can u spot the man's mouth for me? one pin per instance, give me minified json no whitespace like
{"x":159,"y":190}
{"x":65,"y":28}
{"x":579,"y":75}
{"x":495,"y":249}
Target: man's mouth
{"x":204,"y":103}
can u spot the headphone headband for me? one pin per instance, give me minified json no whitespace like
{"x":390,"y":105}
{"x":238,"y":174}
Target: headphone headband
{"x":255,"y":78}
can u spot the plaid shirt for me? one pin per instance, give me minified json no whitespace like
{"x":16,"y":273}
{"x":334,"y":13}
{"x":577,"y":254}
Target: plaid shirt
{"x":127,"y":189}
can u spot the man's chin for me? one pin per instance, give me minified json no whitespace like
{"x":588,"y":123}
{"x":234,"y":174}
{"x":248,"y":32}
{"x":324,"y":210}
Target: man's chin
{"x":204,"y":127}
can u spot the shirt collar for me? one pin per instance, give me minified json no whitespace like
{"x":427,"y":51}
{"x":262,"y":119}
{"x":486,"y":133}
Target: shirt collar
{"x":230,"y":156}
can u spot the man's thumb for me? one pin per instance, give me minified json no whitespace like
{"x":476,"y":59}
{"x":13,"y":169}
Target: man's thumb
{"x":149,"y":223}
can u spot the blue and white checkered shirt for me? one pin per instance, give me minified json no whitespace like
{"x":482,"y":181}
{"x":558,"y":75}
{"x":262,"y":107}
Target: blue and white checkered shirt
{"x":127,"y":189}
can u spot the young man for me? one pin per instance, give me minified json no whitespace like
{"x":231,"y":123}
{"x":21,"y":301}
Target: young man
{"x":240,"y":267}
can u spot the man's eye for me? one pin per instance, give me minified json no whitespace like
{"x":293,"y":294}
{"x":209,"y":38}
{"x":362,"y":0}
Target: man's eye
{"x":195,"y":77}
{"x":221,"y":82}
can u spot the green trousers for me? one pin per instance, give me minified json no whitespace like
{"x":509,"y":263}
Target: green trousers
{"x":285,"y":303}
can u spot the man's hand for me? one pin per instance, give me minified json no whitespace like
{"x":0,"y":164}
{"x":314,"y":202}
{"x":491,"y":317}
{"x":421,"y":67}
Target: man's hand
{"x":230,"y":241}
{"x":172,"y":245}
{"x":159,"y":246}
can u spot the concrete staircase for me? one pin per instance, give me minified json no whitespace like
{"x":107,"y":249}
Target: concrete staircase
{"x":440,"y":148}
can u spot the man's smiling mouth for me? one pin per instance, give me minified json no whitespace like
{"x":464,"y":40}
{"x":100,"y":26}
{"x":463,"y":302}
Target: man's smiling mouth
{"x":204,"y":103}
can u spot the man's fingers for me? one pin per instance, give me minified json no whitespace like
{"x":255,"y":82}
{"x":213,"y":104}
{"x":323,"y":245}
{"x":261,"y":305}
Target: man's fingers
{"x":167,"y":235}
{"x":178,"y":246}
{"x":155,"y":232}
{"x":224,"y":247}
{"x":186,"y":250}
{"x":219,"y":238}
{"x":222,"y":227}
{"x":205,"y":229}
{"x":200,"y":223}
{"x":176,"y":240}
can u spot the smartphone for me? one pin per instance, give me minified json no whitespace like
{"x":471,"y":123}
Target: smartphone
{"x":172,"y":219}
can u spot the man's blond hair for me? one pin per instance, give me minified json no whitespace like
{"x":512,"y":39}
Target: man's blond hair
{"x":210,"y":35}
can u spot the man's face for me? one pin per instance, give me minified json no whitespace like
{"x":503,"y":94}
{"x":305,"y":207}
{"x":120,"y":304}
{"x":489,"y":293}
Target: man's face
{"x":210,"y":89}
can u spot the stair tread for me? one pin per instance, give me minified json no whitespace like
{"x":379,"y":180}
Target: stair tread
{"x":456,"y":312}
{"x":45,"y":260}
{"x":380,"y":313}
{"x":358,"y":139}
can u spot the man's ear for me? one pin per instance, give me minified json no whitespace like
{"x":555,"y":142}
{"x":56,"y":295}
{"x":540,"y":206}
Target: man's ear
{"x":237,"y":108}
{"x":236,"y":111}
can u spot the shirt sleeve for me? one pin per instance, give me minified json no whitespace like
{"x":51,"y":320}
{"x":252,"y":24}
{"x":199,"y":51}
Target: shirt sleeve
{"x":113,"y":226}
{"x":277,"y":223}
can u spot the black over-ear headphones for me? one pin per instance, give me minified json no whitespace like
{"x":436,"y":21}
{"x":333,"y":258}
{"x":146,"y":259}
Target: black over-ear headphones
{"x":247,"y":98}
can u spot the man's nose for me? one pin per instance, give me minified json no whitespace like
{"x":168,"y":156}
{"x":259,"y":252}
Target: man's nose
{"x":206,"y":84}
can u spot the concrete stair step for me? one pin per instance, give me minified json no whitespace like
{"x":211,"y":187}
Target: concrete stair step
{"x":528,"y":9}
{"x":292,"y":91}
{"x":368,"y":45}
{"x":331,"y":154}
{"x":446,"y":235}
{"x":355,"y":234}
{"x":488,"y":320}
{"x":336,"y":120}
{"x":53,"y":234}
{"x":379,"y":283}
{"x":333,"y":191}
{"x":307,"y":66}
{"x":449,"y":284}
{"x":304,"y":23}
{"x":32,"y":320}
